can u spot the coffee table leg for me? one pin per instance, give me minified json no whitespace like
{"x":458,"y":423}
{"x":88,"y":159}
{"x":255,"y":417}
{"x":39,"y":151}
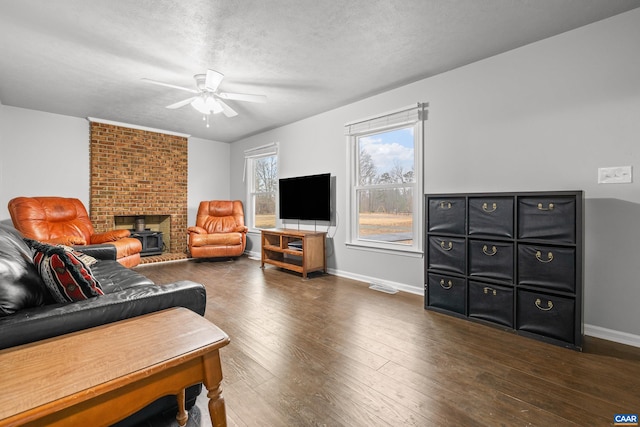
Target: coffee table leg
{"x":213,"y":383}
{"x":182,"y":416}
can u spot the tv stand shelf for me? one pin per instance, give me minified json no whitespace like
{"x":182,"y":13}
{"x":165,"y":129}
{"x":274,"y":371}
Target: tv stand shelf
{"x":301,"y":251}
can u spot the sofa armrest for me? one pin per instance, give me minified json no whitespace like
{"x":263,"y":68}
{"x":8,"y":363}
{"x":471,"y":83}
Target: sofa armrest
{"x":48,"y":321}
{"x":103,"y":251}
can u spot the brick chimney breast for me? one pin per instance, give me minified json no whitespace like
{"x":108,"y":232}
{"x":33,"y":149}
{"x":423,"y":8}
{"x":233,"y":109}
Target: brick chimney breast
{"x":138,"y":172}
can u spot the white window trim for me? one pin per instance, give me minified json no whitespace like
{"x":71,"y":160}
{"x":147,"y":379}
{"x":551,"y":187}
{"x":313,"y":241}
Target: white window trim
{"x":378,"y":124}
{"x":250,"y":155}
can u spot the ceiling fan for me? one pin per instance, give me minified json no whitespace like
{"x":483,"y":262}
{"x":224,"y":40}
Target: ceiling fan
{"x":208,"y":99}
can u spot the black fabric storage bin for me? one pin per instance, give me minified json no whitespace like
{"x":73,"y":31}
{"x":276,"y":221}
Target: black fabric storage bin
{"x":547,"y":315}
{"x":547,"y":218}
{"x":447,"y":292}
{"x":493,"y":260}
{"x":447,"y":215}
{"x":491,"y":216}
{"x":491,"y":302}
{"x":447,"y":254}
{"x":548,"y":267}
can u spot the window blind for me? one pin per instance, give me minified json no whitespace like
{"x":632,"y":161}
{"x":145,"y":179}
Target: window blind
{"x":261,"y":151}
{"x":407,"y":115}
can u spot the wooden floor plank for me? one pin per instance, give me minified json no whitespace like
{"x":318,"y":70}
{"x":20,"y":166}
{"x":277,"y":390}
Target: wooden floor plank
{"x":330,"y":351}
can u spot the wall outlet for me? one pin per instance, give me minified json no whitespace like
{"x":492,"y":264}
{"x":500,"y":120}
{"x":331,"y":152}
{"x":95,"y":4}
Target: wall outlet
{"x":615,"y":175}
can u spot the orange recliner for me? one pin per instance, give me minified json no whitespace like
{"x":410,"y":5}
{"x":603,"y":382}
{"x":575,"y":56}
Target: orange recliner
{"x":60,"y":220}
{"x":219,"y":230}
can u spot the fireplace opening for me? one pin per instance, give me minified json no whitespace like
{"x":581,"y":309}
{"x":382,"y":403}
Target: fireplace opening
{"x":150,"y":230}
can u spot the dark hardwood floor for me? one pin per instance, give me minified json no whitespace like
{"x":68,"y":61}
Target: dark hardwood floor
{"x":330,"y":351}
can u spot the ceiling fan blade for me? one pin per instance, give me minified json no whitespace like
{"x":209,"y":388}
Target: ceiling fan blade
{"x":155,"y":82}
{"x":213,"y":80}
{"x":261,"y":99}
{"x":228,"y":111}
{"x":181,"y":103}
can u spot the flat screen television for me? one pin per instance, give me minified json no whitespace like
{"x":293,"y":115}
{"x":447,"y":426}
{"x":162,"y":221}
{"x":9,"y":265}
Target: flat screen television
{"x":306,"y":197}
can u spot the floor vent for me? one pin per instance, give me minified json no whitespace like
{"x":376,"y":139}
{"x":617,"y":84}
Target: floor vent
{"x":383,"y":288}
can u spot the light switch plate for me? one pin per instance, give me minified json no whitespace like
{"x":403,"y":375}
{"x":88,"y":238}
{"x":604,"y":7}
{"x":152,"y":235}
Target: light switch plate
{"x":615,"y":175}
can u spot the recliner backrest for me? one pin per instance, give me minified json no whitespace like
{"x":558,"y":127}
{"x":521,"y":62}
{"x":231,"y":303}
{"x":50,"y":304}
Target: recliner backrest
{"x":220,"y":216}
{"x":46,"y":218}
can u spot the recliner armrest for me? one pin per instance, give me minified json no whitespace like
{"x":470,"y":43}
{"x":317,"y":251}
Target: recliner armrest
{"x":197,"y":230}
{"x":109,"y":236}
{"x":66,"y":240}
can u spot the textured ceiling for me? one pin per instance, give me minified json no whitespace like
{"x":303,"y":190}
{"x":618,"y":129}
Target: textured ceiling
{"x":87,"y":58}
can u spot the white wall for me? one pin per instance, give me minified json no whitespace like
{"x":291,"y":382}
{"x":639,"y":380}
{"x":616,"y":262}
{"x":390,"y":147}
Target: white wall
{"x":208,"y":174}
{"x":543,"y":117}
{"x":42,"y":154}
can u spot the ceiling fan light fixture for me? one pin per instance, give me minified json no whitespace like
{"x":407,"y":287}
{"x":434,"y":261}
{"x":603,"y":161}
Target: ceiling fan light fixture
{"x":200,"y":104}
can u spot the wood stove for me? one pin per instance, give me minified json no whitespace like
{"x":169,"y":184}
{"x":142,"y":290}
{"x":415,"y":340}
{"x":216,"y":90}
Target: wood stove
{"x":151,"y":241}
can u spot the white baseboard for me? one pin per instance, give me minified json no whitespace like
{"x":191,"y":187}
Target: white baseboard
{"x":387,"y":283}
{"x":611,"y":335}
{"x":591,"y":330}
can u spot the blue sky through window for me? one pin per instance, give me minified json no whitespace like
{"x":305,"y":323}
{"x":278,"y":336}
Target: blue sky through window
{"x":390,"y":148}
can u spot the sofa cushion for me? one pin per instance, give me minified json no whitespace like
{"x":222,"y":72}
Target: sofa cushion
{"x":65,"y":274}
{"x":20,"y":283}
{"x":113,"y":277}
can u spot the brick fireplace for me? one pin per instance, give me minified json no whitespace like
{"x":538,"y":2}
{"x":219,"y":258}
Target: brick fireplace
{"x":139,"y":173}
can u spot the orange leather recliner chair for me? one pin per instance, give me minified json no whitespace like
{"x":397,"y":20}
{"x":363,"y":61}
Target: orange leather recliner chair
{"x":60,"y":220}
{"x":219,"y":230}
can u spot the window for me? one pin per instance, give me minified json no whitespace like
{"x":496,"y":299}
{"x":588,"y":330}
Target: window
{"x":385,"y":194}
{"x":262,"y":187}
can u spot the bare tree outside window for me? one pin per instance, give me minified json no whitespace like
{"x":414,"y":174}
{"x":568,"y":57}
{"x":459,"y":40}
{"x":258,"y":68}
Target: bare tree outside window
{"x":386,"y":180}
{"x":265,"y":188}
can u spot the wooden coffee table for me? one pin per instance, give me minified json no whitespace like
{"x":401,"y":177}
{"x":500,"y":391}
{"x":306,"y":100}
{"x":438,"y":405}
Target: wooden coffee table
{"x":101,"y":375}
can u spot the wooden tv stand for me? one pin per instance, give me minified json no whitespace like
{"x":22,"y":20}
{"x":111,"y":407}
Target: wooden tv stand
{"x":279,"y":249}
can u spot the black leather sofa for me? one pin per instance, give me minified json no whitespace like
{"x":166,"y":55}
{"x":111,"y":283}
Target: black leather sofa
{"x":28,"y":314}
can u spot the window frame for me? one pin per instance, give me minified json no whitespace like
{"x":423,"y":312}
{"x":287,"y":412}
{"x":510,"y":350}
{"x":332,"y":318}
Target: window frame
{"x":251,"y":161}
{"x":352,"y":239}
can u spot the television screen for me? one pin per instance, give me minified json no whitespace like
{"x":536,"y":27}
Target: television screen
{"x":306,"y":197}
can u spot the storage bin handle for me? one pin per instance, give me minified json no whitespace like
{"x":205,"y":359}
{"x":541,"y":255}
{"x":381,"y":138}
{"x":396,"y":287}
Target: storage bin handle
{"x":549,"y":257}
{"x":542,"y":208}
{"x":446,"y":247}
{"x":485,"y":250}
{"x":549,"y":305}
{"x":446,"y":285}
{"x":445,"y":205}
{"x":488,"y":290}
{"x":485,"y":207}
